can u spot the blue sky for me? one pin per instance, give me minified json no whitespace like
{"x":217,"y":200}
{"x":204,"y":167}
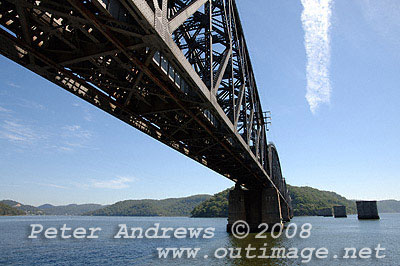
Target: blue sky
{"x":56,"y":148}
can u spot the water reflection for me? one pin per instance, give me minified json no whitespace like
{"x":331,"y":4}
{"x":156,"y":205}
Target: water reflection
{"x":334,"y":234}
{"x":259,"y":247}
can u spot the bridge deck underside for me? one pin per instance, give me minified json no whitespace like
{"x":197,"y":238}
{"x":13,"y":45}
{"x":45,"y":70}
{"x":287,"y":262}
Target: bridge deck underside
{"x":122,"y":66}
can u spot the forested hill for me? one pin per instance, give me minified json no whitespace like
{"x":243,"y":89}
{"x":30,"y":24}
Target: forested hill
{"x":8,"y":210}
{"x":216,"y":206}
{"x":389,"y":206}
{"x":71,"y":209}
{"x":26,"y":209}
{"x":166,"y":207}
{"x":306,"y":201}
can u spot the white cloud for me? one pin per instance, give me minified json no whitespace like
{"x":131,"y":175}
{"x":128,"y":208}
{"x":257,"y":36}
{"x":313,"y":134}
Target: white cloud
{"x":46,"y":185}
{"x":51,"y":185}
{"x":383,"y":17}
{"x":17,"y":132}
{"x":32,"y":105}
{"x":11,"y":84}
{"x":76,"y":132}
{"x":4,"y":110}
{"x":25,"y":135}
{"x":63,"y":148}
{"x":87,"y":115}
{"x":316,"y":24}
{"x":117,"y":183}
{"x":72,"y":128}
{"x":74,"y":136}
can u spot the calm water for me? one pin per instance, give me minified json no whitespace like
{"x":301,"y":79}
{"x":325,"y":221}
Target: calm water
{"x":334,"y":234}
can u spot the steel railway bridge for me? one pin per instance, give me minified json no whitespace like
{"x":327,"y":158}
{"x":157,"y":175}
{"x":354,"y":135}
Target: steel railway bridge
{"x":177,"y":70}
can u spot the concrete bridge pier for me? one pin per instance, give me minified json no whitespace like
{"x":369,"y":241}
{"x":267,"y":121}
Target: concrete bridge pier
{"x":256,"y":207}
{"x":291,"y":212}
{"x":339,"y":211}
{"x":367,"y":210}
{"x":236,"y":206}
{"x":271,"y":208}
{"x":285,"y":210}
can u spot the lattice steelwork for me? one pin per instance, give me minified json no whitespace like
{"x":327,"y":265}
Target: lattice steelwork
{"x":178,"y":70}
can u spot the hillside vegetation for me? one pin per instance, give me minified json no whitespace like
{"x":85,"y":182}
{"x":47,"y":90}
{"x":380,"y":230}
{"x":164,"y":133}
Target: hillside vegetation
{"x":27,"y":209}
{"x":308,"y":200}
{"x":389,"y":206}
{"x":8,"y":210}
{"x":166,"y":207}
{"x":71,"y":209}
{"x":305,"y":200}
{"x":216,"y":206}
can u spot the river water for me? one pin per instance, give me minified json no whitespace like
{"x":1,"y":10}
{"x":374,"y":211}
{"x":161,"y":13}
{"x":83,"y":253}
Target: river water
{"x":332,"y":234}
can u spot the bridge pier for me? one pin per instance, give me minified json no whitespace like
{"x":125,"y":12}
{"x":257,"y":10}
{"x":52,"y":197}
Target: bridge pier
{"x":367,"y":210}
{"x":339,"y":211}
{"x":285,"y":212}
{"x":291,"y":212}
{"x":236,"y":206}
{"x":256,"y":207}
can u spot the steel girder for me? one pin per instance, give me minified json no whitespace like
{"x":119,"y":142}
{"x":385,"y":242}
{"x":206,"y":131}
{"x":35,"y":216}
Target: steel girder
{"x":178,"y":70}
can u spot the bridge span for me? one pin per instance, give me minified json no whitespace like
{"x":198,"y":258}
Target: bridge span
{"x":177,"y":70}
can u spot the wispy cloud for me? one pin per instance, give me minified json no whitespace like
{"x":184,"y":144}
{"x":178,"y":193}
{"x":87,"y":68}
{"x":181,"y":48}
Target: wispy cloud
{"x":52,"y":185}
{"x":316,"y":24}
{"x":117,"y":183}
{"x":87,"y":115}
{"x":383,"y":17}
{"x":64,"y":148}
{"x":25,"y":134}
{"x":32,"y":105}
{"x":76,"y":132}
{"x":74,"y":136}
{"x":4,"y":110}
{"x":17,"y":132}
{"x":72,"y":128}
{"x":45,"y":184}
{"x":11,"y":84}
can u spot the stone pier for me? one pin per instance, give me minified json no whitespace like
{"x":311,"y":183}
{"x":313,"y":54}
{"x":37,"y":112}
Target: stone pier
{"x":285,"y":210}
{"x":339,"y":211}
{"x":256,"y":207}
{"x":326,"y":212}
{"x":367,"y":210}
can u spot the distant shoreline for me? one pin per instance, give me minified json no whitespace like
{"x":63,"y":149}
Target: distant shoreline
{"x":307,"y":201}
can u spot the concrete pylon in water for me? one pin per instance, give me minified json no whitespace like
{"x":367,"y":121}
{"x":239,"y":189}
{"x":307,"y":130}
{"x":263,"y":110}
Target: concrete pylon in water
{"x":256,"y":207}
{"x":326,"y":212}
{"x":339,"y":211}
{"x":367,"y":210}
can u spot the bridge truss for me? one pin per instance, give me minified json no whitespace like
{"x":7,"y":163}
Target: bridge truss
{"x":178,"y":70}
